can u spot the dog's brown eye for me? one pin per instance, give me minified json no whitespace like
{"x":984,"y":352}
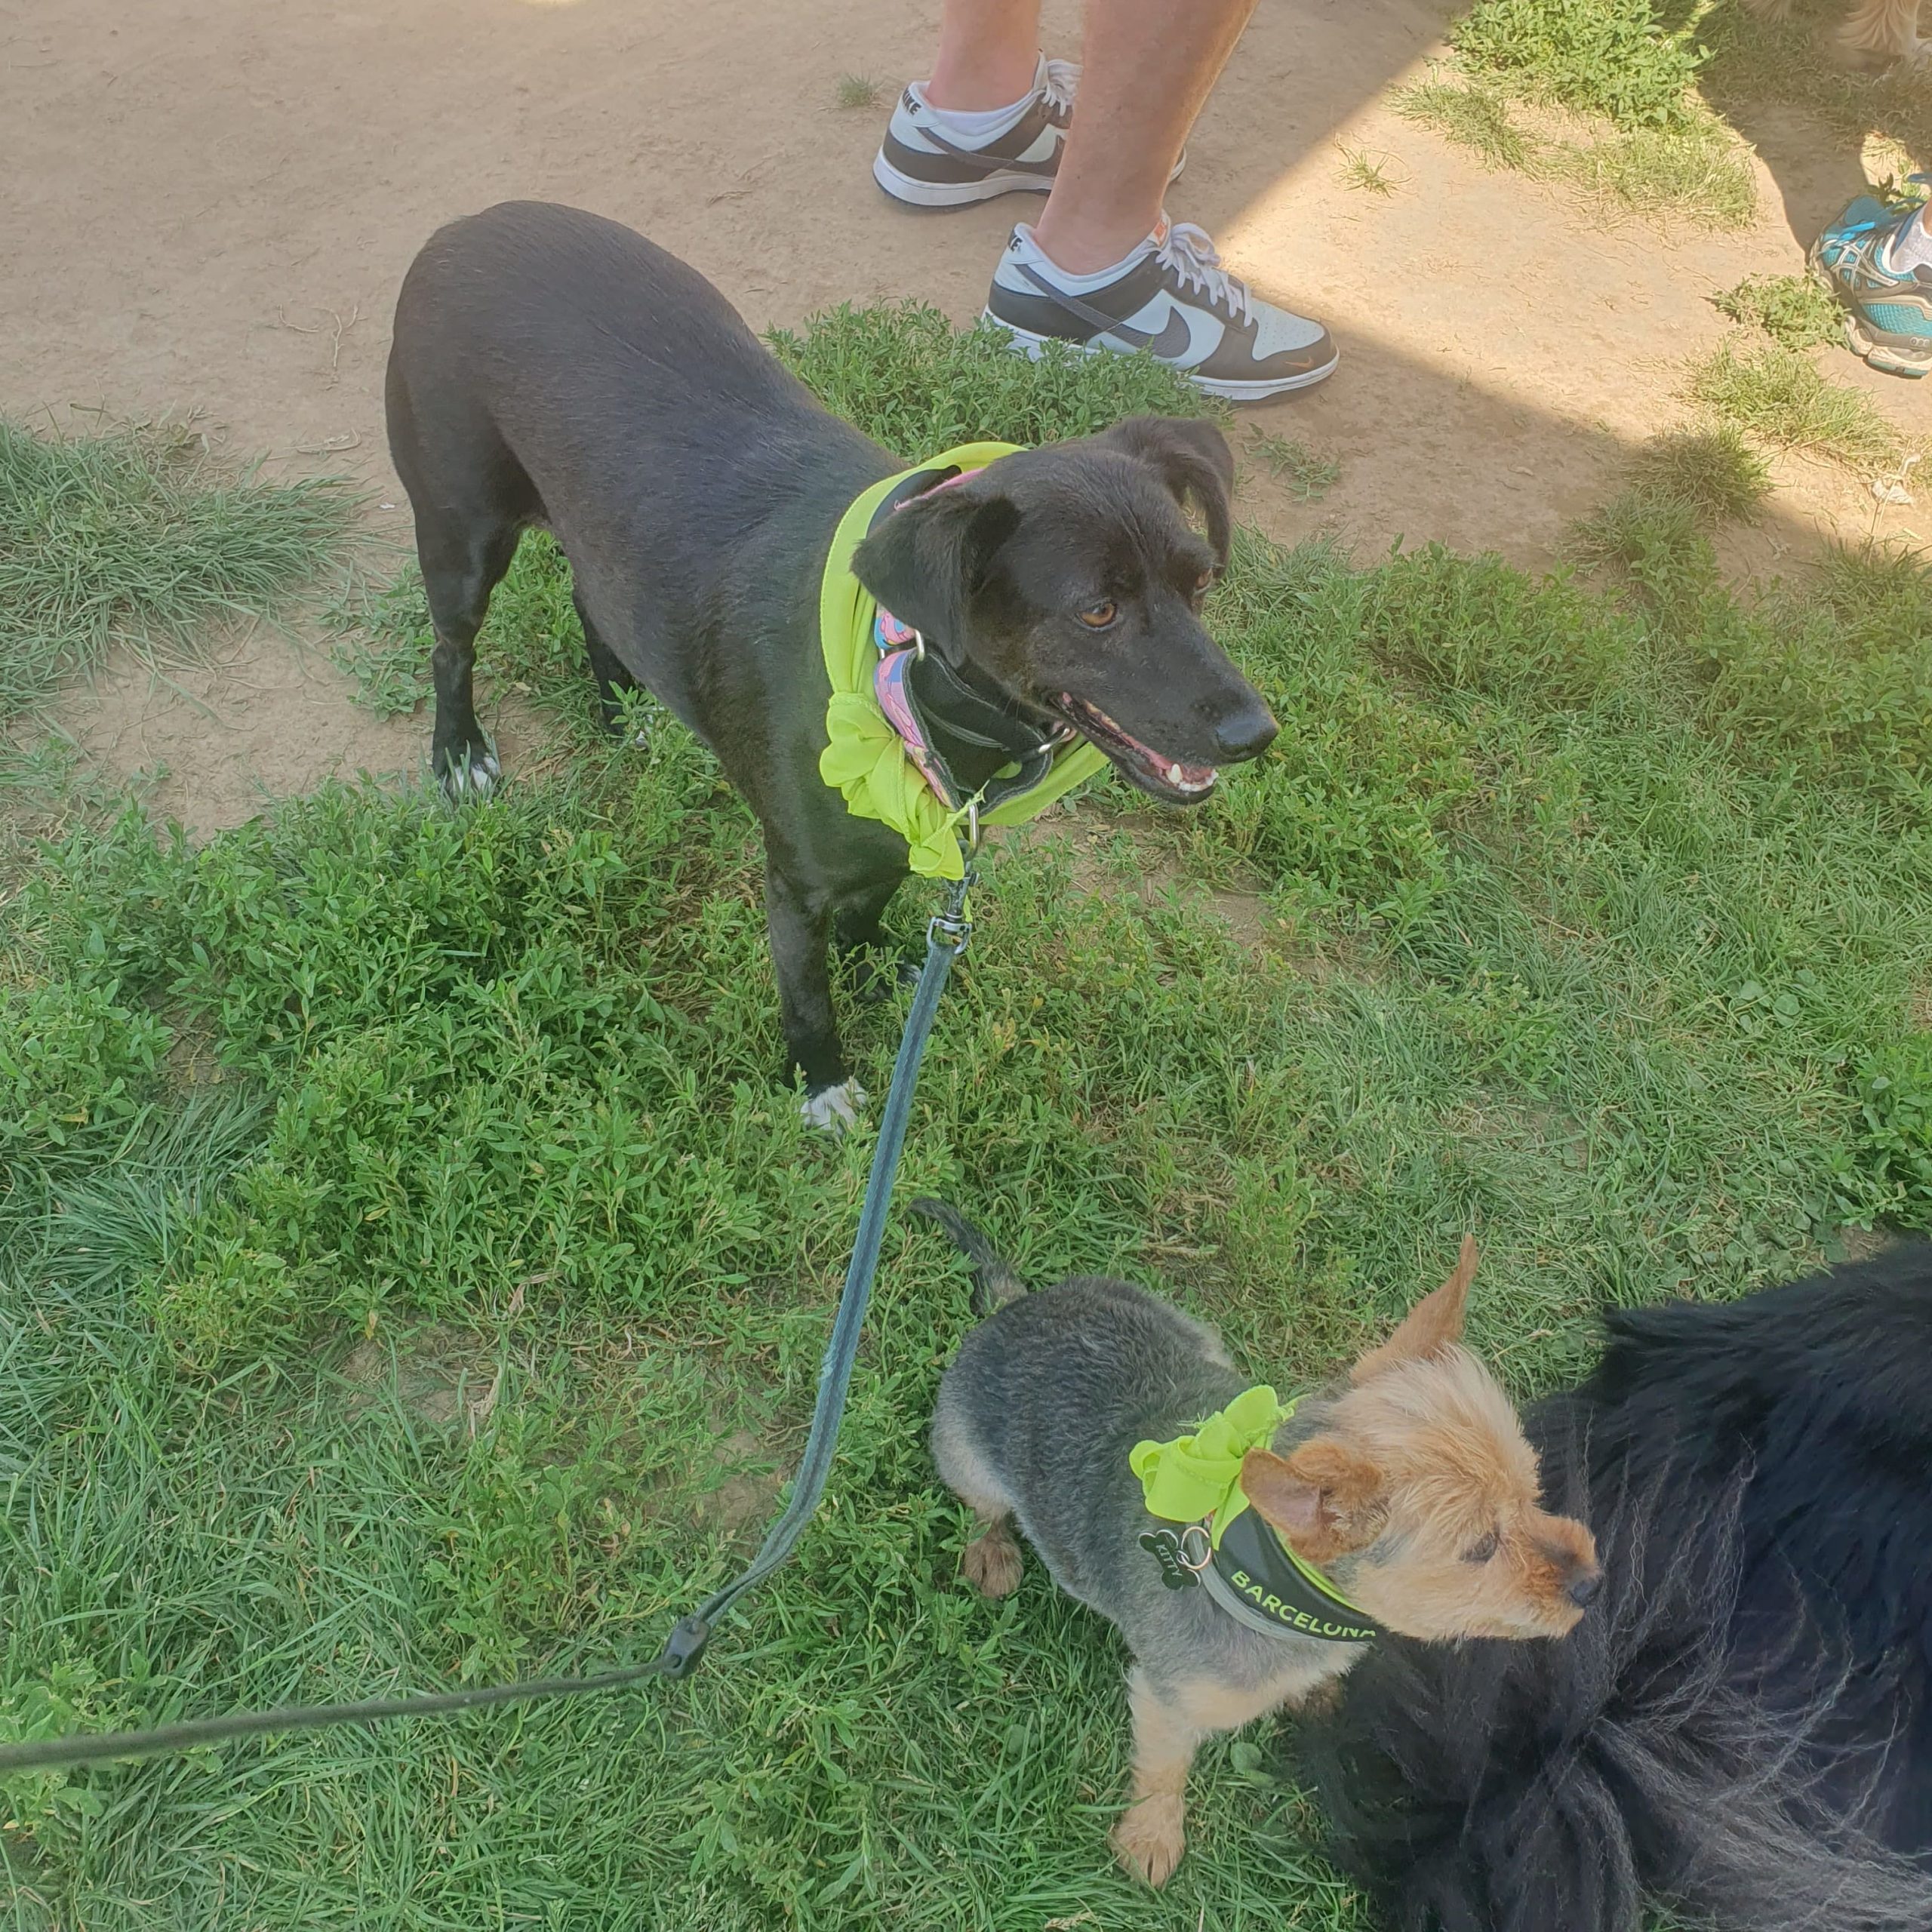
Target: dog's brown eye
{"x":1204,"y":582}
{"x":1481,"y":1550}
{"x":1098,"y":617}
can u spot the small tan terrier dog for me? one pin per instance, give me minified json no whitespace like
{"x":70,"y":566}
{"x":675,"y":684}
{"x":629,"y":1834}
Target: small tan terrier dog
{"x":1247,"y":1550}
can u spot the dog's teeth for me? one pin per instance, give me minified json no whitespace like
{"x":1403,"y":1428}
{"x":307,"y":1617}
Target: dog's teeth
{"x":1175,"y":775}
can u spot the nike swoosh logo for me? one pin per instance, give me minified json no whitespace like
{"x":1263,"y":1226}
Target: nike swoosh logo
{"x":980,"y":158}
{"x":1173,"y":342}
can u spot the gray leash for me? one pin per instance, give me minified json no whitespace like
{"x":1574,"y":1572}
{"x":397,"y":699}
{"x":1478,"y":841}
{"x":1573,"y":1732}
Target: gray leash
{"x":946,"y":935}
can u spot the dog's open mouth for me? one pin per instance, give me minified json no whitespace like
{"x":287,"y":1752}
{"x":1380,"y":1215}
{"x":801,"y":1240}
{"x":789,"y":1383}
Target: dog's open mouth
{"x":1164,"y":777}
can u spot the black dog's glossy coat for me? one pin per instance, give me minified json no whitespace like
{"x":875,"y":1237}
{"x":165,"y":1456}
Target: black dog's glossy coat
{"x":553,"y":369}
{"x":1744,"y":1723}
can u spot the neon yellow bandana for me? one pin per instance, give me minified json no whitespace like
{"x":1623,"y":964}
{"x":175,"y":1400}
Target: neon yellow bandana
{"x":1199,"y":1476}
{"x":864,"y":757}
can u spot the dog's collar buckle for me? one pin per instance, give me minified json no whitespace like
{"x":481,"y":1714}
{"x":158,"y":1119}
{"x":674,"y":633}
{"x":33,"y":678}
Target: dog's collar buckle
{"x":889,"y":634}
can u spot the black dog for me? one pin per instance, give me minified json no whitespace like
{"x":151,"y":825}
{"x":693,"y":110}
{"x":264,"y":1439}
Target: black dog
{"x":1744,"y":1724}
{"x":554,"y":370}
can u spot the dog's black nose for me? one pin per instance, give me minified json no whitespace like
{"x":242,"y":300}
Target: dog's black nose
{"x":1246,"y":733}
{"x":1583,"y":1589}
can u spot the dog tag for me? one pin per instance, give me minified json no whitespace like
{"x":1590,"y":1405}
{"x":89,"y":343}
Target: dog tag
{"x":1163,"y":1546}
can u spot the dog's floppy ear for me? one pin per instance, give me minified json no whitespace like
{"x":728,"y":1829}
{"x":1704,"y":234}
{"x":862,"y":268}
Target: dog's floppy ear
{"x":1324,"y":1498}
{"x":924,"y":561}
{"x":1434,"y":1323}
{"x":1194,"y":459}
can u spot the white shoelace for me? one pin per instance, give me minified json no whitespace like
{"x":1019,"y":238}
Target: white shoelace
{"x":1191,"y":255}
{"x":1062,"y":77}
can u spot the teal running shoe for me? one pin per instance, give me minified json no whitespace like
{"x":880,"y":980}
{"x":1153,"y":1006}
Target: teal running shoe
{"x":1888,"y":318}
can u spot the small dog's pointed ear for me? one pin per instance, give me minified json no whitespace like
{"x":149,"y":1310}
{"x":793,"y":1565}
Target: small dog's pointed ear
{"x":1194,"y":459}
{"x":1323,"y":1498}
{"x":924,"y":561}
{"x":1434,"y":1323}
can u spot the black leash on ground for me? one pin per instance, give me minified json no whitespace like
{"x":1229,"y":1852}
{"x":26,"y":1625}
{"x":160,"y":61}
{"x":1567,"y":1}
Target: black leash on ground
{"x":946,"y":935}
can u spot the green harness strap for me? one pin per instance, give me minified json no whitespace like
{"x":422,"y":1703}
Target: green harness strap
{"x":864,"y":758}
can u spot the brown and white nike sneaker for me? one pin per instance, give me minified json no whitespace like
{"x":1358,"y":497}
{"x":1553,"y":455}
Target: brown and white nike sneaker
{"x":934,"y":157}
{"x":1171,"y":297}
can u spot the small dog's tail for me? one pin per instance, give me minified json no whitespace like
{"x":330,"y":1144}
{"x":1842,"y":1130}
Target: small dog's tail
{"x":994,"y":1282}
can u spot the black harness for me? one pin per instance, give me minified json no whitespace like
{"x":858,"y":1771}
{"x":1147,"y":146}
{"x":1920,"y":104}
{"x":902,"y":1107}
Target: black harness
{"x":1255,"y":1578}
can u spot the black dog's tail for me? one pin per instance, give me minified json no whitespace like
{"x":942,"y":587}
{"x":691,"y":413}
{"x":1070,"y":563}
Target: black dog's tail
{"x":994,"y":1282}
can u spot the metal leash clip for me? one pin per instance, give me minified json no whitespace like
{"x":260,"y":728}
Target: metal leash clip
{"x":956,"y":922}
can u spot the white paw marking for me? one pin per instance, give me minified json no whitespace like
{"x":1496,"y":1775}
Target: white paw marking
{"x":833,"y":1109}
{"x":476,"y":778}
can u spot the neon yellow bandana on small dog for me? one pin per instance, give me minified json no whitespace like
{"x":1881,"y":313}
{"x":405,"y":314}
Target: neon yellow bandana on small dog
{"x":864,"y":758}
{"x":1197,"y":1476}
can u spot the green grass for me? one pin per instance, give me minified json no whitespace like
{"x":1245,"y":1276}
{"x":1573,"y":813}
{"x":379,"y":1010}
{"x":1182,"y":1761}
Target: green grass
{"x":1609,"y":58}
{"x":1693,"y":173}
{"x":859,"y":91}
{"x":1777,"y":395}
{"x":1473,"y":117}
{"x":137,"y":538}
{"x":415,"y":1275}
{"x":1696,"y":174}
{"x":1614,"y":112}
{"x":1660,"y":89}
{"x":1658,"y":544}
{"x":1792,"y":309}
{"x":1715,"y":471}
{"x":1308,"y":474}
{"x":912,"y":381}
{"x":1655,"y":531}
{"x":1368,"y":173}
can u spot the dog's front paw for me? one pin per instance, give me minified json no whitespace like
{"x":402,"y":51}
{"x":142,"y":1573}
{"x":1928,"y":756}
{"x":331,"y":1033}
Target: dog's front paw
{"x":1150,"y":1838}
{"x":471,"y":771}
{"x":833,"y":1109}
{"x":991,"y":1564}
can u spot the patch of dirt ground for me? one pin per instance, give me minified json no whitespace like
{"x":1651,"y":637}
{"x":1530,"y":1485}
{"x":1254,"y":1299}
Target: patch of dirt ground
{"x":211,"y":203}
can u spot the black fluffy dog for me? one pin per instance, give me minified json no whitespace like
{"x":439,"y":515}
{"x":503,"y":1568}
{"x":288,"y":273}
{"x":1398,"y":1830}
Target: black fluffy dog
{"x":554,"y":370}
{"x":1743,"y":1725}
